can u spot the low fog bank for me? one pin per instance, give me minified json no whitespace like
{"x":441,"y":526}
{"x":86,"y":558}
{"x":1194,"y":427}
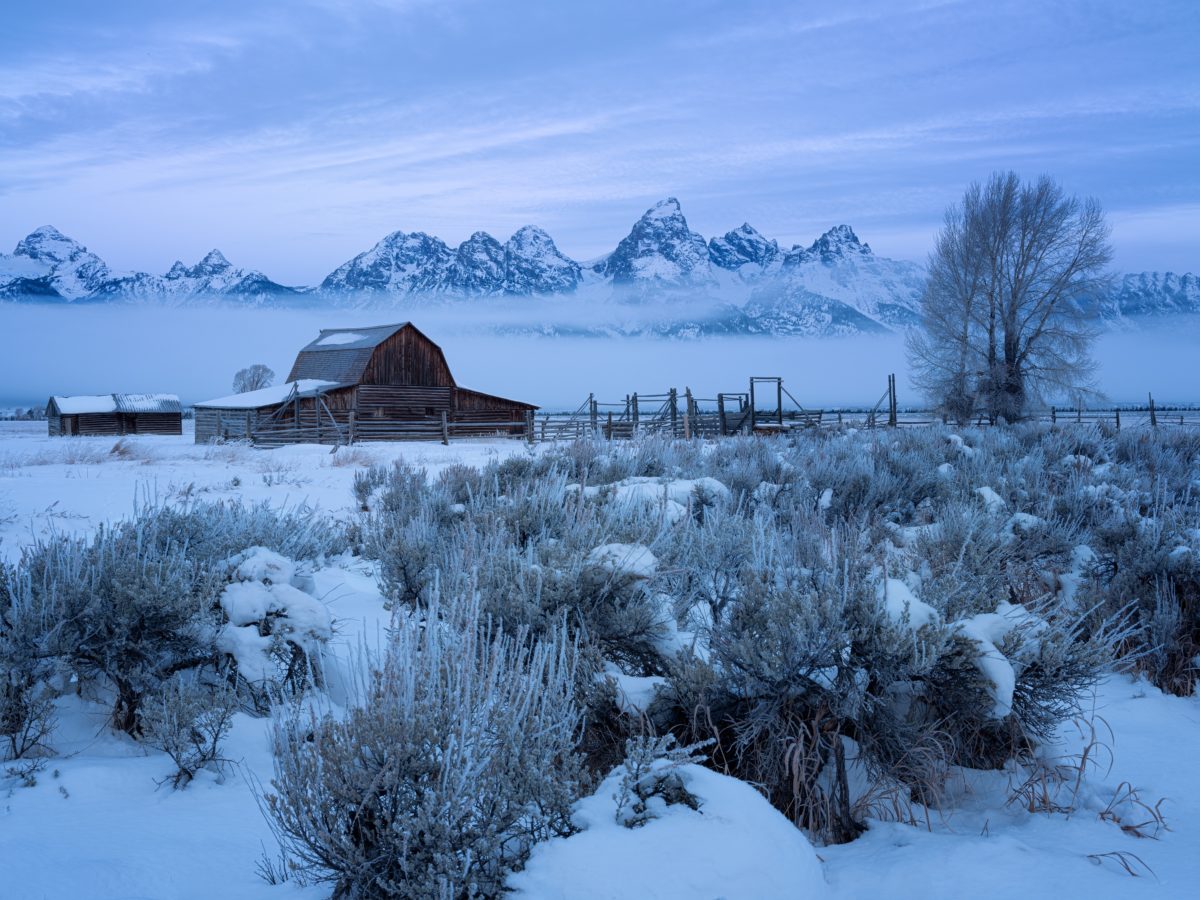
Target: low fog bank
{"x":194,"y":353}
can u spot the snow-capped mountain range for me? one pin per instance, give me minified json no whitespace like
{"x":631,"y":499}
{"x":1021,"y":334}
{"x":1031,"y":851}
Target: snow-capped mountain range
{"x":48,"y":265}
{"x":678,"y":282}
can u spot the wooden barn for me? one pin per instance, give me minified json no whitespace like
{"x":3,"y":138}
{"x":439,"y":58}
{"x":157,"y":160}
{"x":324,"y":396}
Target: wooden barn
{"x":386,"y":382}
{"x":115,"y":414}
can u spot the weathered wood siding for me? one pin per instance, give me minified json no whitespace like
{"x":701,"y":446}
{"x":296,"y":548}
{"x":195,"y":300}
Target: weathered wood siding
{"x":408,"y":358}
{"x":54,"y":424}
{"x":467,"y":401}
{"x":225,"y":424}
{"x":152,"y":423}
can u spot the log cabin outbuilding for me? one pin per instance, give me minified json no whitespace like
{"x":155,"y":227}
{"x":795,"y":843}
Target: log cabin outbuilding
{"x":384,"y":382}
{"x":114,"y":414}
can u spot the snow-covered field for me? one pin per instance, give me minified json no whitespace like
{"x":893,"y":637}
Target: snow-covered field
{"x":97,"y":824}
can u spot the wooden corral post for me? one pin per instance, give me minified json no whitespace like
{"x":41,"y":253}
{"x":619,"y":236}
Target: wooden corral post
{"x":674,"y":398}
{"x":839,"y":417}
{"x":529,"y":436}
{"x":1078,"y":412}
{"x":1053,"y":416}
{"x":753,"y":404}
{"x":892,"y":401}
{"x":779,"y":400}
{"x":1153,"y":412}
{"x":687,"y":413}
{"x":1118,"y":412}
{"x":608,"y":428}
{"x":721,"y":413}
{"x":592,"y":411}
{"x":634,"y":410}
{"x":445,"y":429}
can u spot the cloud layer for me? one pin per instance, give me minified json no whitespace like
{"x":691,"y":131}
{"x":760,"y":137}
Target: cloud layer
{"x":296,"y":135}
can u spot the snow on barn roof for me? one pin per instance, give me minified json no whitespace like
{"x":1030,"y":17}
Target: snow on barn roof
{"x":343,"y":354}
{"x":117,"y":403}
{"x":353,"y":338}
{"x":269,"y":396}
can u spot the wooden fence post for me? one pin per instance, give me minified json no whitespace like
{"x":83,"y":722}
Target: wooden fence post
{"x":529,"y":435}
{"x":592,"y":412}
{"x":891,"y":401}
{"x":1118,"y":420}
{"x":1153,"y":413}
{"x":687,"y":413}
{"x":1053,"y":416}
{"x":445,"y":429}
{"x":1079,"y":412}
{"x":721,"y":413}
{"x":608,"y":428}
{"x":634,"y":409}
{"x":674,"y":399}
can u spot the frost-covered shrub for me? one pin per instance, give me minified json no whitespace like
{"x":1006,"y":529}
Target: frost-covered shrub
{"x":125,"y":609}
{"x":211,"y":532}
{"x":26,"y":701}
{"x":437,"y":781}
{"x":650,"y":780}
{"x":187,"y":719}
{"x":366,"y":480}
{"x":1146,"y":563}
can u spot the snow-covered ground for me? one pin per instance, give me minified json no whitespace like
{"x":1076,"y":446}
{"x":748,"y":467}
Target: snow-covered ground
{"x":97,"y":824}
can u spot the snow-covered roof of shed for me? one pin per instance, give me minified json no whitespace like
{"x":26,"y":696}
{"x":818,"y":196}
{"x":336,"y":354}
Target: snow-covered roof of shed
{"x":147,"y":403}
{"x":269,"y":396}
{"x":117,"y":403}
{"x":95,"y":403}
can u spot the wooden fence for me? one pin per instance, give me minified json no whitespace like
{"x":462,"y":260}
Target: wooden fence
{"x":765,"y":408}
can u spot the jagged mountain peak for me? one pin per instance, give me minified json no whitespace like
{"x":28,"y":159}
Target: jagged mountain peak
{"x":49,"y":244}
{"x":664,"y":209}
{"x":839,"y":242}
{"x":743,"y":250}
{"x":661,"y":251}
{"x":215,"y":259}
{"x":533,"y":264}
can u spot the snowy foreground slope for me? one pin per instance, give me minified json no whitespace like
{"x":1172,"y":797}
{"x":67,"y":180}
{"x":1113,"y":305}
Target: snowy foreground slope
{"x":97,"y":823}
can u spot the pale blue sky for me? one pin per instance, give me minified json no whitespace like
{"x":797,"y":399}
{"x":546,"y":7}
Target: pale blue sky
{"x":293,"y":135}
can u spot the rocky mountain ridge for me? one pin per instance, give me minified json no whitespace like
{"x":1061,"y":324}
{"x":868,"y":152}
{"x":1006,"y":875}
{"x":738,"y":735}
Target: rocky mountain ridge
{"x":739,"y":283}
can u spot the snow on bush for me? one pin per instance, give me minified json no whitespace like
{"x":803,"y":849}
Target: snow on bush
{"x":274,"y":631}
{"x":439,"y":779}
{"x":733,"y":846}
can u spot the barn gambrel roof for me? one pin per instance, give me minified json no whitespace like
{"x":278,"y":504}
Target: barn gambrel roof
{"x":341,"y":355}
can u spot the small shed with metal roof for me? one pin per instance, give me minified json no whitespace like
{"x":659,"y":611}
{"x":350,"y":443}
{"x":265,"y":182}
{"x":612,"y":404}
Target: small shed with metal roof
{"x":382,"y":382}
{"x":114,"y":414}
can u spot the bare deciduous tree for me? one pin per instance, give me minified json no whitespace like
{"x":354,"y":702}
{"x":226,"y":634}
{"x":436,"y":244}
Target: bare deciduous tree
{"x":253,"y":378}
{"x":1006,"y":307}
